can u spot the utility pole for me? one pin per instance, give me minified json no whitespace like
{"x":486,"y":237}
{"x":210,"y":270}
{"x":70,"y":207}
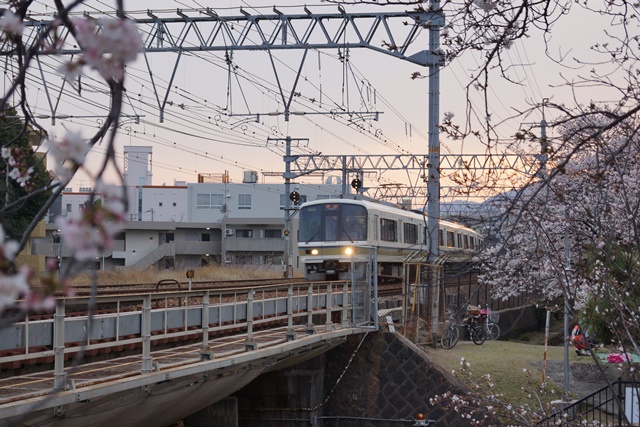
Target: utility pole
{"x":289,"y":211}
{"x":433,"y":171}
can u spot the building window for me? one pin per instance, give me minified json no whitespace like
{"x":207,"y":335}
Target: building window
{"x":159,"y":203}
{"x":68,"y":207}
{"x":244,"y":232}
{"x":217,"y":200}
{"x":272,"y":234}
{"x":206,"y":237}
{"x":203,"y":201}
{"x":244,"y":201}
{"x":175,"y":204}
{"x":323,"y":196}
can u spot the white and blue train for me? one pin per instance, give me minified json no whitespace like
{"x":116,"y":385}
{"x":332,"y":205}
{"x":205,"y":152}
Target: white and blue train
{"x":334,"y":232}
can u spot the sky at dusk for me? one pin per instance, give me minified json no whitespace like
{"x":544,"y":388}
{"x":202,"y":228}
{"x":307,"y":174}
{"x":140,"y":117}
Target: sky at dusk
{"x":227,"y":115}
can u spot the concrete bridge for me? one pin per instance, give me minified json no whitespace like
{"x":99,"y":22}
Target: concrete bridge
{"x":312,"y":354}
{"x":159,"y":357}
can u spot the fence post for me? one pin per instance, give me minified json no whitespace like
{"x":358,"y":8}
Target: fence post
{"x":290,"y":334}
{"x":147,"y":361}
{"x":205,"y":318}
{"x":58,"y":346}
{"x":345,"y":305}
{"x":250,"y":343}
{"x":329,"y":324}
{"x":310,"y":328}
{"x":620,"y":399}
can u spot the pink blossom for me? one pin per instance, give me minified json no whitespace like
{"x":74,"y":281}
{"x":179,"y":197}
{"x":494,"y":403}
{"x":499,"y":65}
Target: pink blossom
{"x":120,"y":39}
{"x":14,"y":173}
{"x":112,"y":198}
{"x":37,"y":302}
{"x":11,"y":23}
{"x":12,"y":287}
{"x":107,"y":51}
{"x":72,"y":147}
{"x":24,"y":177}
{"x":81,"y":236}
{"x":8,"y":248}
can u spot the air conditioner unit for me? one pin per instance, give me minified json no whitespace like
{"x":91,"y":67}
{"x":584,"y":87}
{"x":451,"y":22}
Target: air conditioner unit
{"x":228,"y":232}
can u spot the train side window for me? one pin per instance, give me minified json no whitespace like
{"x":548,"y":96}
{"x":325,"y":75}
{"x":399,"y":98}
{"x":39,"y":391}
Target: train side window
{"x":440,"y":238}
{"x":472,"y":242}
{"x":410,"y":233}
{"x":388,"y":230}
{"x":459,"y":240}
{"x":465,"y":238}
{"x":451,"y":241}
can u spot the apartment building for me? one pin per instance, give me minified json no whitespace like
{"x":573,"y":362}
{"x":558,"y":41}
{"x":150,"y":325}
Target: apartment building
{"x":187,"y":225}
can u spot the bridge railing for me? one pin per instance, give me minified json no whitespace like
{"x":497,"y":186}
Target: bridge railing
{"x":142,"y":320}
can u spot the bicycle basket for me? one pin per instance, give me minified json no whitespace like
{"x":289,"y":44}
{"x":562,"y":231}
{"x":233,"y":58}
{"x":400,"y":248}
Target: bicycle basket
{"x":494,"y":317}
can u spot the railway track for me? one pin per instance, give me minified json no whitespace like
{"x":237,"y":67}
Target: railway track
{"x":172,"y":285}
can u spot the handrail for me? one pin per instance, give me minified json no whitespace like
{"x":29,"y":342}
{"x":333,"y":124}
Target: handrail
{"x":135,"y":323}
{"x":609,"y":402}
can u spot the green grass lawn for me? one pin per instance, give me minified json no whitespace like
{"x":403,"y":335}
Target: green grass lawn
{"x":515,"y":368}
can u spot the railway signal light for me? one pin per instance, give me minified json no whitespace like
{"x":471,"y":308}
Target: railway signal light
{"x":356,"y":184}
{"x":294,"y":196}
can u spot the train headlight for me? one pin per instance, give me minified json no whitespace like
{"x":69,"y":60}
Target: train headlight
{"x":348,"y":250}
{"x":314,"y":252}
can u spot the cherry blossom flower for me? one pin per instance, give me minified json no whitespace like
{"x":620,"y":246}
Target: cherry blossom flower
{"x":107,"y":45}
{"x":8,"y":248}
{"x":11,"y":23}
{"x":74,"y":147}
{"x":12,"y":287}
{"x":81,"y":236}
{"x":24,"y":177}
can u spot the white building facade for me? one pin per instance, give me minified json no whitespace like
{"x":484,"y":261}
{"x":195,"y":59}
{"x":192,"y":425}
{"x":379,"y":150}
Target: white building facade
{"x":187,"y":225}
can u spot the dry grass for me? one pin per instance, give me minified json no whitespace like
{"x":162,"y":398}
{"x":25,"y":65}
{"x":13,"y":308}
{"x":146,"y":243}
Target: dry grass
{"x":213,"y":273}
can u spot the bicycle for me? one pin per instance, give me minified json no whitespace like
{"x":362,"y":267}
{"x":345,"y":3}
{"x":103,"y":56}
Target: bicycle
{"x":489,"y":322}
{"x":451,"y":334}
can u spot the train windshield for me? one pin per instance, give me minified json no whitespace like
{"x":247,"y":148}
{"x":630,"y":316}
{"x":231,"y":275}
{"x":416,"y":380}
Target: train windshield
{"x":333,"y":222}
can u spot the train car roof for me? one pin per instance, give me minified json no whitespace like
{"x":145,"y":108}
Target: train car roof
{"x":383,"y":206}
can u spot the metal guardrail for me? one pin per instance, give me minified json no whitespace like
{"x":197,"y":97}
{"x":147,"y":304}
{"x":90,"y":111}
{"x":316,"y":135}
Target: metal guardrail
{"x":145,"y":318}
{"x":618,"y":405}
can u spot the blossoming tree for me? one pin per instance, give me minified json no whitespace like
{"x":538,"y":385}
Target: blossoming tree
{"x":108,"y":44}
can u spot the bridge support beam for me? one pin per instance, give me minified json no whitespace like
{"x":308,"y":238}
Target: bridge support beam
{"x":291,"y":334}
{"x":329,"y":326}
{"x":147,"y":359}
{"x":250,"y":344}
{"x":311,"y":329}
{"x":59,"y":376}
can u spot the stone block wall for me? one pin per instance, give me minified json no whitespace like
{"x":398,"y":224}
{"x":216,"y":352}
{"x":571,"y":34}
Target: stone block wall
{"x":377,"y":379}
{"x":387,"y":380}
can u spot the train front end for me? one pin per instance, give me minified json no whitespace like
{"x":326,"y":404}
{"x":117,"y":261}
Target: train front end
{"x":330,"y":233}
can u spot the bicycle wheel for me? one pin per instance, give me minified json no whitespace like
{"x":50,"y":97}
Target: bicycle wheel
{"x":493,"y":330}
{"x":478,"y":335}
{"x":450,"y":337}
